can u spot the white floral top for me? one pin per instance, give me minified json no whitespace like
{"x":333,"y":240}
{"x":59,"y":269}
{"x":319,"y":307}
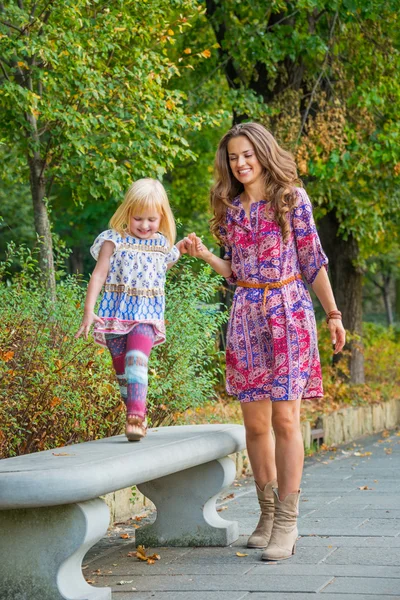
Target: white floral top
{"x":134,"y":288}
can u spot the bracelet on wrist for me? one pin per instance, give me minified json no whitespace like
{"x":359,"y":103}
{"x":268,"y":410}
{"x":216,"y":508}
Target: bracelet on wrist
{"x":333,"y":314}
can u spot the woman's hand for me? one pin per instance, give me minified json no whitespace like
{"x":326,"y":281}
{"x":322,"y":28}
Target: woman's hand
{"x":196,"y":247}
{"x":88,"y":319}
{"x":338,"y":334}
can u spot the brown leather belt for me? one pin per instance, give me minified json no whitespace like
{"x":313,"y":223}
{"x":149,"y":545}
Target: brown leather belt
{"x":268,"y":286}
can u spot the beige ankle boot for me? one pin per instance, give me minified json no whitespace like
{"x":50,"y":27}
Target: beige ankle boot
{"x":260,"y":536}
{"x":282,"y":543}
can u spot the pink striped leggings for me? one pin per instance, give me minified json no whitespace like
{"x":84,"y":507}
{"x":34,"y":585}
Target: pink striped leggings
{"x":130,"y":356}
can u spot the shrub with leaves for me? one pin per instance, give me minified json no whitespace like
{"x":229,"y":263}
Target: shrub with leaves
{"x":58,"y":390}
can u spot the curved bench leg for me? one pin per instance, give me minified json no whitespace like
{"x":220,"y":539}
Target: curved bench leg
{"x":186,"y":511}
{"x":42,"y":550}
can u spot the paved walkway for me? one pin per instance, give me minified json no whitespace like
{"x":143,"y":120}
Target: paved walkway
{"x":349,"y":547}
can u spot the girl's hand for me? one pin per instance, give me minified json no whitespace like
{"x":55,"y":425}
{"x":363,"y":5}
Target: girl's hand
{"x":181,"y":245}
{"x":88,"y":319}
{"x":338,"y":334}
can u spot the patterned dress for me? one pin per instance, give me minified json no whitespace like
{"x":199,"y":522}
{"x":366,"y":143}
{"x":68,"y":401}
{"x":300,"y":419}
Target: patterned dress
{"x":272,"y":354}
{"x":134,"y":288}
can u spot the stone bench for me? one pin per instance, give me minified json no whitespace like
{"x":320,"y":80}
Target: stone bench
{"x":51,"y":513}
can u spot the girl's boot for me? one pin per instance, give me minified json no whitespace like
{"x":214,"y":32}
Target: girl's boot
{"x":282,"y":543}
{"x":260,"y":536}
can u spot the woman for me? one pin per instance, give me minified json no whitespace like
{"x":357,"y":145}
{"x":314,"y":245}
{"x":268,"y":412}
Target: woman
{"x":265,"y":222}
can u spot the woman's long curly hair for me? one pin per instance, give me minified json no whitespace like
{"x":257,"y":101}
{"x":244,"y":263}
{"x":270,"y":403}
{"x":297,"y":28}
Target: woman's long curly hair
{"x":279,"y":171}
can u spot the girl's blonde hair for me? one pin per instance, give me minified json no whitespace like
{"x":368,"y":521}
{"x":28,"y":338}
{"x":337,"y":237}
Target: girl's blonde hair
{"x":145,"y":195}
{"x":279,"y":172}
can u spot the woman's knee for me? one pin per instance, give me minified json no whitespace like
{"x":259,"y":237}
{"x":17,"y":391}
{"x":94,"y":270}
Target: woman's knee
{"x":285,"y":422}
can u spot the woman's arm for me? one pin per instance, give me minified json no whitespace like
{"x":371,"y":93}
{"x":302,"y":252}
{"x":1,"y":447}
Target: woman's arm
{"x":195,"y":247}
{"x":323,"y":290}
{"x":96,"y":282}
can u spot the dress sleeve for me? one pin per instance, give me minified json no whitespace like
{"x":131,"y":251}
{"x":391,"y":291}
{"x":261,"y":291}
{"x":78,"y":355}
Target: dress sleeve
{"x":107,"y":236}
{"x":172,"y":256}
{"x":309,"y":250}
{"x":227,"y":252}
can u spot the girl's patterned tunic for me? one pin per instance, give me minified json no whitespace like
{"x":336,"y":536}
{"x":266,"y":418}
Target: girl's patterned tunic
{"x":134,"y":288}
{"x":272,"y":354}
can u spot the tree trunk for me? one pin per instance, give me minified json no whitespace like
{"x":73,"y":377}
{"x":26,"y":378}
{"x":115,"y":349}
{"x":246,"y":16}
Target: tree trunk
{"x":76,"y":260}
{"x":397,"y":299}
{"x":387,"y":300}
{"x":42,"y":223}
{"x":347,"y":286}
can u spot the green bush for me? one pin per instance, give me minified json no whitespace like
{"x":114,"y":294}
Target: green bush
{"x":57,"y":390}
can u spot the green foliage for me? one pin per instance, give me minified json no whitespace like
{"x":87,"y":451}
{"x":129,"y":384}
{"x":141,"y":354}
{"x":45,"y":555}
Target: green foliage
{"x":86,"y":86}
{"x":55,"y":389}
{"x":184,"y":371}
{"x":58,"y":390}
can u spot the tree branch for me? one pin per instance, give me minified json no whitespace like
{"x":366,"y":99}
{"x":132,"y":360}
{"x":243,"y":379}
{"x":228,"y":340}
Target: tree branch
{"x":316,"y":85}
{"x":11,"y":26}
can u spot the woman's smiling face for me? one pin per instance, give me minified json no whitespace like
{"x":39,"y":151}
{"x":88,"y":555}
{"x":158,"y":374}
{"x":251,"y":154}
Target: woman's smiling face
{"x":243,"y":161}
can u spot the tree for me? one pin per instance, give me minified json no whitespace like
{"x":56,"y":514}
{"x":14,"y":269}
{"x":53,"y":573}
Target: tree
{"x":323,"y":77}
{"x":86,"y":95}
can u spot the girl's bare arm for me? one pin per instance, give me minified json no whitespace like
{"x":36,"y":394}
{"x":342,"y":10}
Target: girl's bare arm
{"x":96,"y":283}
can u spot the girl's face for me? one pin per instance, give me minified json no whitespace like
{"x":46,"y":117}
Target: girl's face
{"x":243,"y":160}
{"x":146,"y":225}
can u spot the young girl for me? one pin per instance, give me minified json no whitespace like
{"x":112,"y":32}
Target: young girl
{"x":132,"y":259}
{"x":264,"y":220}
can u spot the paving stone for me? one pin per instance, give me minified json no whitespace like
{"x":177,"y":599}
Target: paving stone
{"x":365,"y":556}
{"x":326,"y":596}
{"x":350,"y":541}
{"x":367,"y":585}
{"x":183,"y":596}
{"x":330,"y":570}
{"x":210,"y":583}
{"x":320,"y":526}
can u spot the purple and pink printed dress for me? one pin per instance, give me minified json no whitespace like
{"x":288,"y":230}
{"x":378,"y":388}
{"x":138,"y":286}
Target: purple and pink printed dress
{"x":272,"y":354}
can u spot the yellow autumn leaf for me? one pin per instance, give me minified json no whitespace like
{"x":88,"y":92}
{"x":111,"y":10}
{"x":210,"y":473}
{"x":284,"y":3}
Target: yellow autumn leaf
{"x":170,"y":32}
{"x":206,"y":53}
{"x":241,"y":554}
{"x":187,"y":51}
{"x":169,"y":104}
{"x":7,"y":356}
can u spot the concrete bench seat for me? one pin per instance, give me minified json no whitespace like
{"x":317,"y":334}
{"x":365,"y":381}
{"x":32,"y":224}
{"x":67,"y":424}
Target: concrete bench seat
{"x":51,"y":513}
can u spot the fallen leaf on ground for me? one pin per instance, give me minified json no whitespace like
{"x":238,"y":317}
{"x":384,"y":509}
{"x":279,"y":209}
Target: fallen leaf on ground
{"x":222,"y":508}
{"x":229,"y":496}
{"x":241,"y":554}
{"x":124,"y":582}
{"x":385,"y":434}
{"x":388,"y":450}
{"x":362,"y":453}
{"x":365,"y":487}
{"x":125,"y":536}
{"x":141,"y":555}
{"x":62,"y":454}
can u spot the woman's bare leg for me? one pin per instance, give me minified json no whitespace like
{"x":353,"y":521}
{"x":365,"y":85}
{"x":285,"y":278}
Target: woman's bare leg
{"x":289,"y":449}
{"x":260,"y":442}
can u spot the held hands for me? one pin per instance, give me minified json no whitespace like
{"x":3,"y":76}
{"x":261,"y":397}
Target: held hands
{"x":193,"y":246}
{"x":89,"y":318}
